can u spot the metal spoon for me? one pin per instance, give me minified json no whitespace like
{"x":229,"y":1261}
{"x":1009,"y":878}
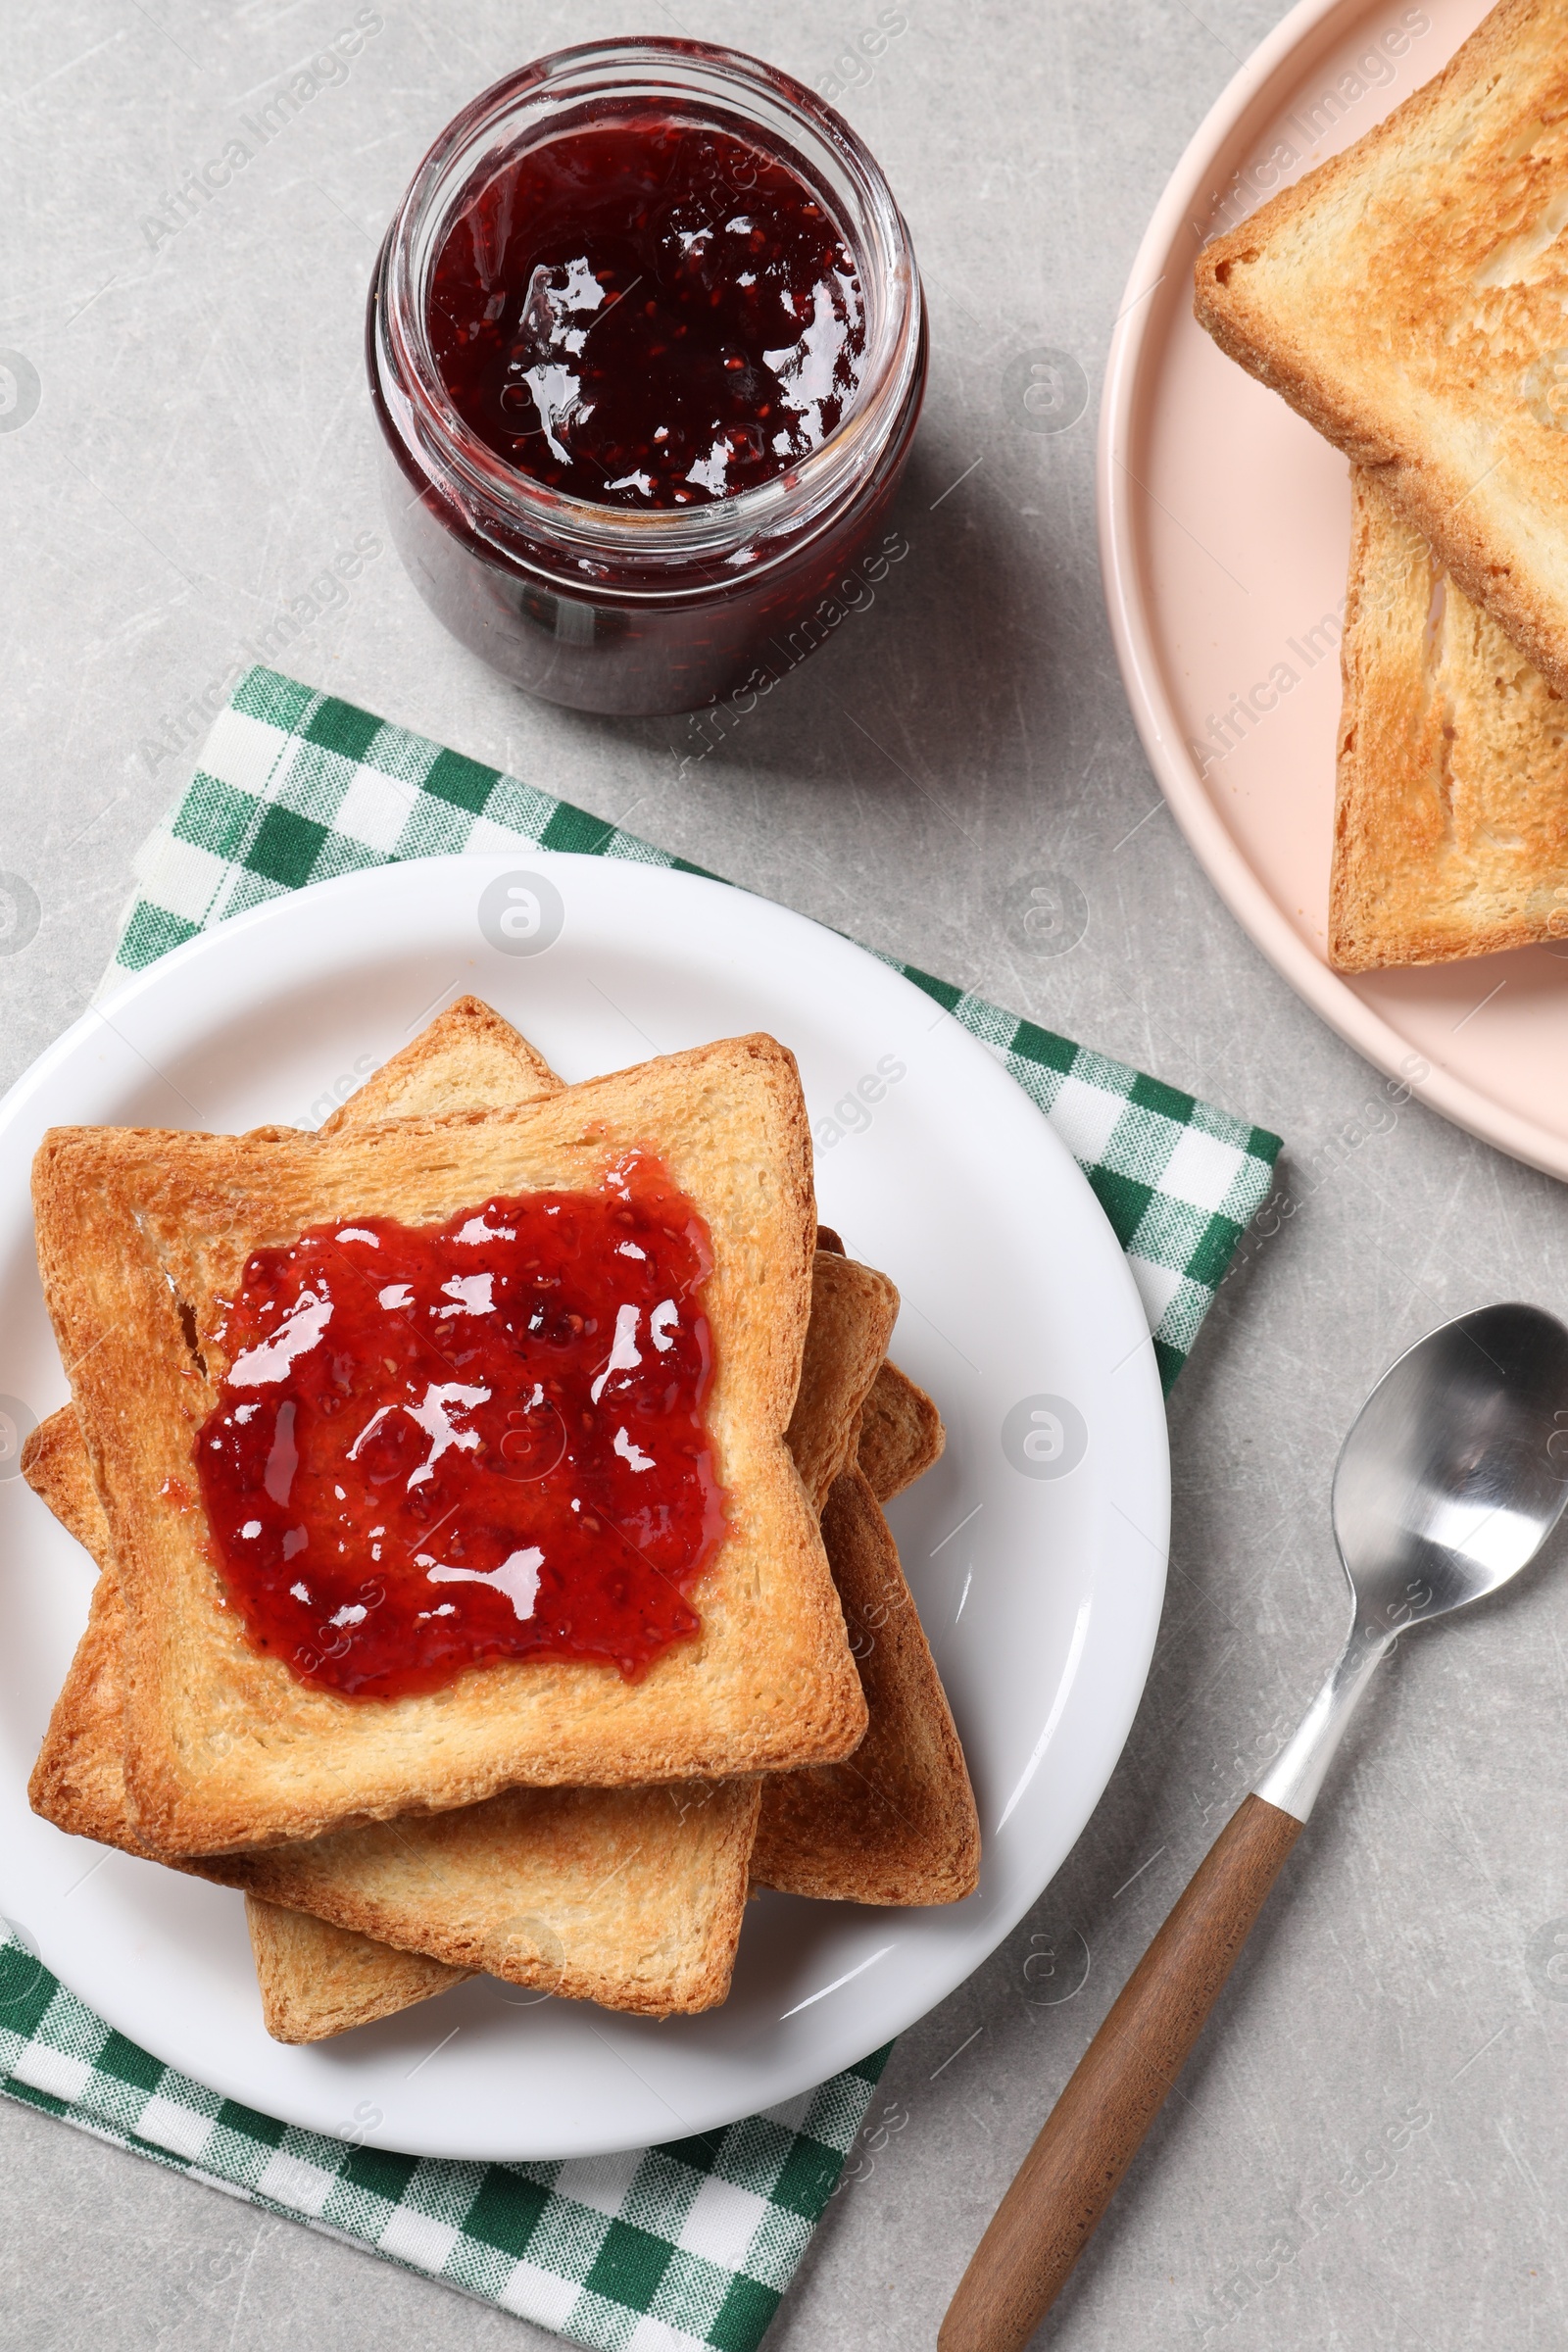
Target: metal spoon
{"x":1454,"y":1473}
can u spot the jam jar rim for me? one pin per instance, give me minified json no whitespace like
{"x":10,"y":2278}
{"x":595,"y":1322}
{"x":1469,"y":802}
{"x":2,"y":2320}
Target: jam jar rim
{"x":739,"y":532}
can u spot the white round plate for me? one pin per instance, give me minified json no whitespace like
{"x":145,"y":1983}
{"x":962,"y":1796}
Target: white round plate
{"x":1225,"y":526}
{"x":1041,"y":1595}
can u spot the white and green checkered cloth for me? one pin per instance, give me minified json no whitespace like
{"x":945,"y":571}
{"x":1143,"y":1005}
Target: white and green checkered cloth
{"x":679,"y":2248}
{"x":685,"y":2247}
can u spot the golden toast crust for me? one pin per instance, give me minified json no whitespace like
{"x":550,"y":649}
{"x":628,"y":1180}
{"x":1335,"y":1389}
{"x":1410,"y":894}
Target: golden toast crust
{"x":854,"y":1310}
{"x":317,"y":1979}
{"x":498,"y":1067}
{"x":896,"y":1822}
{"x":901,"y":1434}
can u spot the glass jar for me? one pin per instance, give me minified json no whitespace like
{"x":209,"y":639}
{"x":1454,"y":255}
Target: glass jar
{"x":606,"y":607}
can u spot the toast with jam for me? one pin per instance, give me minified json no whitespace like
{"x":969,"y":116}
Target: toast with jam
{"x":458,"y":1884}
{"x":149,"y":1246}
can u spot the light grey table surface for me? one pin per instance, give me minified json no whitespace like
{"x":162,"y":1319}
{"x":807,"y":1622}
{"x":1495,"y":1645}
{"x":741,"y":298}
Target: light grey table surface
{"x":1369,"y":2149}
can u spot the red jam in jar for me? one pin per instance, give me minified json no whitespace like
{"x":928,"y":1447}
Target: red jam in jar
{"x":648,"y":315}
{"x":647,"y":346}
{"x":439,"y":1446}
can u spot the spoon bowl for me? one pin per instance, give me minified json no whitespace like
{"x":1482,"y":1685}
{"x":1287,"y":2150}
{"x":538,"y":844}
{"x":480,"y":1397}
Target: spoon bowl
{"x":1455,"y":1470}
{"x":1453,"y":1473}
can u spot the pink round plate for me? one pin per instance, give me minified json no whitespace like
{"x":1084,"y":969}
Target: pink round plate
{"x":1224,"y":525}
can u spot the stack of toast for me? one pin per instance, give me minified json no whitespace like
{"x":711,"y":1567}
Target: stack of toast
{"x":545,"y":1819}
{"x":1408,"y":298}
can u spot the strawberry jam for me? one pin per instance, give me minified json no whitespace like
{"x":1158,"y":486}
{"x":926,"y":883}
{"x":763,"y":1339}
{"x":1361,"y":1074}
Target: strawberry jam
{"x":649,"y":311}
{"x":646,"y":346}
{"x":441,"y":1446}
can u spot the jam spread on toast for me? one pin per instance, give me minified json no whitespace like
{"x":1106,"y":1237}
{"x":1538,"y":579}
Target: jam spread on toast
{"x":648,"y":312}
{"x":437,"y":1446}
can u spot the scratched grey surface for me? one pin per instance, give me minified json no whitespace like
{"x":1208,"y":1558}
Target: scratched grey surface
{"x":1369,"y":2148}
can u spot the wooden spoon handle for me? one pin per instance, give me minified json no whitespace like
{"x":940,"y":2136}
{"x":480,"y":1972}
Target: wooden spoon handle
{"x":1097,"y":2125}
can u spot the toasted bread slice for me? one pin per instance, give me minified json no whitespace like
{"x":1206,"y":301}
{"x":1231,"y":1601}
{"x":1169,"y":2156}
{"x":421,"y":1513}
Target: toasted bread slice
{"x":901,"y":1434}
{"x":227,"y":1748}
{"x":317,"y":1979}
{"x":630,"y":1897}
{"x":896,"y":1822}
{"x":854,"y":1310}
{"x":467,"y":1059}
{"x":1407,"y":298}
{"x":1451,"y":827}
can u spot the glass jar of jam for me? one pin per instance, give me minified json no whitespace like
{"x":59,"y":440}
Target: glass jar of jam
{"x":647,"y":346}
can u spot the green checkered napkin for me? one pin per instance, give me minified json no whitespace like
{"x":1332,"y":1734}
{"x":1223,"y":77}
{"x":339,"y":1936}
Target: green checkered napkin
{"x":689,"y":2245}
